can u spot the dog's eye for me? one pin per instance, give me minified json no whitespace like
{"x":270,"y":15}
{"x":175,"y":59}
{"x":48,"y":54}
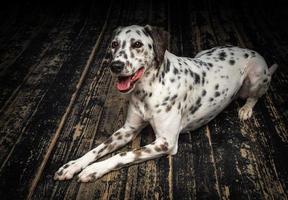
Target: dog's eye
{"x":114,"y":44}
{"x":137,"y":45}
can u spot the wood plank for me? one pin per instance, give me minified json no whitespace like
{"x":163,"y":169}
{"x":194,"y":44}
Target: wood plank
{"x":13,"y":76}
{"x":31,"y":92}
{"x":26,"y":156}
{"x":18,"y":43}
{"x":12,"y":18}
{"x":16,"y":70}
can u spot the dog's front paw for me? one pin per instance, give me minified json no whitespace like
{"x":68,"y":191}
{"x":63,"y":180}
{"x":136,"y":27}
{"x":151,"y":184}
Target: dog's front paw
{"x":93,"y":172}
{"x":68,"y":170}
{"x":245,"y":113}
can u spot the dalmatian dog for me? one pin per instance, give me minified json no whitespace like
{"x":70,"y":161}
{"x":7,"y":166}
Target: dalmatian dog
{"x":171,"y":93}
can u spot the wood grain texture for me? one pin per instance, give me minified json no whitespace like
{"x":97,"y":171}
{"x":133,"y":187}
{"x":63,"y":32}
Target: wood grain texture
{"x":58,"y":100}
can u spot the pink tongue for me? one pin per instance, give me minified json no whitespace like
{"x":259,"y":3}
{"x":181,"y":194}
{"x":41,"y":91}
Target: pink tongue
{"x":138,"y":74}
{"x":124,"y":84}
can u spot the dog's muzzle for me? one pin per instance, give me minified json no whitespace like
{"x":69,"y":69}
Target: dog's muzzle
{"x":117,"y":67}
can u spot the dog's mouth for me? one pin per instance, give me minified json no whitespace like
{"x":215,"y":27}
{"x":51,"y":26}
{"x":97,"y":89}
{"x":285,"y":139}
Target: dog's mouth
{"x":126,"y":83}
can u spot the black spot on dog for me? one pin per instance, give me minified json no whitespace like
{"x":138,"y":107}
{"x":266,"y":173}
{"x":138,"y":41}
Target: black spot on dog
{"x":60,"y":172}
{"x":66,"y":166}
{"x":222,"y":55}
{"x":185,"y":71}
{"x":246,"y":55}
{"x":167,"y":67}
{"x":217,"y":94}
{"x":128,"y":31}
{"x":157,"y":149}
{"x":211,"y":99}
{"x":204,"y":93}
{"x":174,"y":97}
{"x":125,"y":56}
{"x":123,"y":44}
{"x":117,"y":133}
{"x":172,"y":80}
{"x":175,"y":71}
{"x":123,"y":154}
{"x":168,"y":108}
{"x":216,"y":86}
{"x":101,"y":150}
{"x":146,"y":150}
{"x":265,"y":80}
{"x":179,"y":105}
{"x":203,"y":77}
{"x":138,"y":32}
{"x":164,"y":146}
{"x":197,"y":78}
{"x":163,"y":74}
{"x":210,"y":64}
{"x":185,"y":97}
{"x":194,"y":108}
{"x":198,"y":100}
{"x":231,"y":62}
{"x":166,"y":98}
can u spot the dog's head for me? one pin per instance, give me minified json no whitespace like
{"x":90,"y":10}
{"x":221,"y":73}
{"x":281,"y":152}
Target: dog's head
{"x":133,"y":50}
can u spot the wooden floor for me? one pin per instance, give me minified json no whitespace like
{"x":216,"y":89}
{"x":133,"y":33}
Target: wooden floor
{"x":57,"y":101}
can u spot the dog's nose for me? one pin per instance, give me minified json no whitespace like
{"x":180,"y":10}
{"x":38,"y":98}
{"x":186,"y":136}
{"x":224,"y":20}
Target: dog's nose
{"x":117,"y":67}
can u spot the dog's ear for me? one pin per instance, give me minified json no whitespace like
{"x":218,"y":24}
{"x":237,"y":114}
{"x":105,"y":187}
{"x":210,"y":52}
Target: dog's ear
{"x":108,"y":57}
{"x":160,"y":41}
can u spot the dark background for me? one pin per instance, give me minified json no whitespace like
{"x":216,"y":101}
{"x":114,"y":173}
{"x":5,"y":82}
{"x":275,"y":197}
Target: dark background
{"x":57,"y":101}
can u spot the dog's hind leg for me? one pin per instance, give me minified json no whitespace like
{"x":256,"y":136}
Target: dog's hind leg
{"x":255,"y":85}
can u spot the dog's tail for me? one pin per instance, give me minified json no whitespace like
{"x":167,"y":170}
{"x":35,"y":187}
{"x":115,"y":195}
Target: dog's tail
{"x":273,"y":68}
